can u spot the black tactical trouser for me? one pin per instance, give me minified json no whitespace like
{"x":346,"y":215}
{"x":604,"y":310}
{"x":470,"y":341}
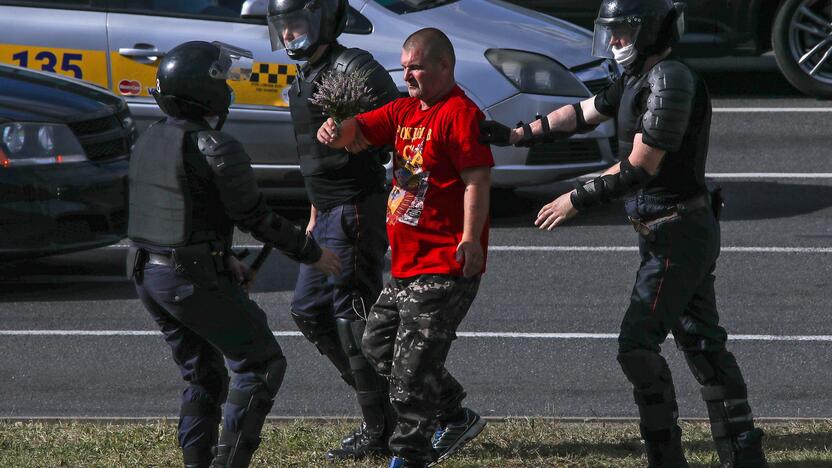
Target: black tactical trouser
{"x":356,"y":232}
{"x":674,"y":291}
{"x":205,"y":329}
{"x":408,"y":336}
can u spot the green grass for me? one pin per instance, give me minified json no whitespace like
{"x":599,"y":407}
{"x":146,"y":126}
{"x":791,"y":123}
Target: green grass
{"x":516,"y":443}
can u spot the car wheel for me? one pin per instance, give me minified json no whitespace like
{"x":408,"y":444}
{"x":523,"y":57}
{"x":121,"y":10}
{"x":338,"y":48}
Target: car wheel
{"x":802,"y":41}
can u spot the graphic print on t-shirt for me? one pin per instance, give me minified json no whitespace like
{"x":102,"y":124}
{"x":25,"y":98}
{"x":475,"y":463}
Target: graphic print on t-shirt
{"x":407,"y":199}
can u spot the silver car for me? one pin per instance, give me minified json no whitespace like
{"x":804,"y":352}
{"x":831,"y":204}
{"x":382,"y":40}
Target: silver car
{"x":511,"y":61}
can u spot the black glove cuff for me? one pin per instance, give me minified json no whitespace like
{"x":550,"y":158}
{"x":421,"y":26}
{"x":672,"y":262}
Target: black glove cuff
{"x":580,"y":197}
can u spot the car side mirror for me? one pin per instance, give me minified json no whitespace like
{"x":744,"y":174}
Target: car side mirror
{"x":254,"y":9}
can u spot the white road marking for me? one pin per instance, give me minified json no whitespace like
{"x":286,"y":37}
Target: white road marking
{"x":510,"y":335}
{"x":612,"y":248}
{"x":351,"y":417}
{"x":63,"y":279}
{"x":746,"y":175}
{"x":771,"y":109}
{"x":769,"y":175}
{"x":600,"y":248}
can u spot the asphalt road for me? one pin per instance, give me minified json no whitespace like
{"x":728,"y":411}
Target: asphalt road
{"x":75,"y":341}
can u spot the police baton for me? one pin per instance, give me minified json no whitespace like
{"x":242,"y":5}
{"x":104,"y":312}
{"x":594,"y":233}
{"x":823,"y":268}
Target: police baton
{"x":258,"y":262}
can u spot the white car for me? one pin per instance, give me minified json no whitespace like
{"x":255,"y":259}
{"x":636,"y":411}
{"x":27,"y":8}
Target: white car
{"x":511,"y":61}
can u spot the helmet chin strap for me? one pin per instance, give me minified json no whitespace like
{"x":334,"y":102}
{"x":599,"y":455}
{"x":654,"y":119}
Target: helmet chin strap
{"x":220,"y":122}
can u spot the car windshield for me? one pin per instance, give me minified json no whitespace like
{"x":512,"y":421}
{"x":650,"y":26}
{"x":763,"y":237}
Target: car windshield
{"x":409,"y":6}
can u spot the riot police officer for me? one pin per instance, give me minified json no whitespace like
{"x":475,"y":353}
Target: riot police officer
{"x":348,"y":209}
{"x":190,"y":184}
{"x":664,"y":114}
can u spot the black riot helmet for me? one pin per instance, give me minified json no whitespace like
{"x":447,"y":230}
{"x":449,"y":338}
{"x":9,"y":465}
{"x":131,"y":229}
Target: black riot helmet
{"x":301,"y":26}
{"x":191,"y":78}
{"x":645,"y":27}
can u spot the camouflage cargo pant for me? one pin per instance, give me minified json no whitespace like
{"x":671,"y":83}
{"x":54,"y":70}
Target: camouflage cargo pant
{"x":408,"y":335}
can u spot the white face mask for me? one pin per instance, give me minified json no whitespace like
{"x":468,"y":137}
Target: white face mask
{"x":625,"y":55}
{"x":298,"y":43}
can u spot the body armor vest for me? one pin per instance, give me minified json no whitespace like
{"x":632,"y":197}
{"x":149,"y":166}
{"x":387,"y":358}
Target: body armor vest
{"x":162,"y":204}
{"x":307,"y":118}
{"x":682,"y":173}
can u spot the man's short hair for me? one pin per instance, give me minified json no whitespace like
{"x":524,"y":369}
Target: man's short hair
{"x":433,"y":42}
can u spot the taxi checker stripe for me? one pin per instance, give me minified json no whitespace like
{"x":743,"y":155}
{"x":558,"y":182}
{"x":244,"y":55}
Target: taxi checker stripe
{"x":271,"y":72}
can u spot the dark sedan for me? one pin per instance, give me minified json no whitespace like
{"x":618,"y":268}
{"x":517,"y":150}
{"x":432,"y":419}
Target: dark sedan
{"x":64,"y":150}
{"x":799,"y":32}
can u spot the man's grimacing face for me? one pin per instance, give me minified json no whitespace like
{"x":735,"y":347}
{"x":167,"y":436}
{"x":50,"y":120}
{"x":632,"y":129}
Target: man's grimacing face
{"x":425,"y":78}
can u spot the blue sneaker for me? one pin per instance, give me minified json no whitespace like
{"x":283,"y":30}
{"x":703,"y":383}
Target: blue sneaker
{"x":398,"y":462}
{"x":449,"y":439}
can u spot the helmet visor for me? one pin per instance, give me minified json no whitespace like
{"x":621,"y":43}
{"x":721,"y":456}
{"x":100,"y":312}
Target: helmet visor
{"x":295,"y":31}
{"x":233,"y":64}
{"x":613,"y":34}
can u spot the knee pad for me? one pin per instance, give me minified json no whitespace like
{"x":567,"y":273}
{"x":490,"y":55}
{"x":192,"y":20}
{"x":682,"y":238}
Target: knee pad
{"x":323,"y":334}
{"x":714,"y":366}
{"x":350,"y":333}
{"x":240,"y":440}
{"x":273,"y":375}
{"x":653,"y":391}
{"x":645,"y":369}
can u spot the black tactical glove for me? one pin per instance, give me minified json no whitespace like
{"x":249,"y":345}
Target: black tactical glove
{"x":494,"y":133}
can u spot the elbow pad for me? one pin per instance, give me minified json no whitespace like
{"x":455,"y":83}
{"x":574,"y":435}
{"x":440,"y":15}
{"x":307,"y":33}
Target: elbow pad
{"x":288,"y":238}
{"x":581,"y":126}
{"x":603,"y":189}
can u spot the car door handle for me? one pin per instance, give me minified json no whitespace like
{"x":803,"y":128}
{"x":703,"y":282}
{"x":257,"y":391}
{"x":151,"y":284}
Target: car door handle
{"x":140,"y":53}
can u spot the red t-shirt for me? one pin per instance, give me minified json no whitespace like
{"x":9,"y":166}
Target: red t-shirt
{"x":425,"y":211}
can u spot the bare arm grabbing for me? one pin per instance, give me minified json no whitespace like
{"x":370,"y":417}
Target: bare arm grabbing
{"x":562,"y":120}
{"x":348,"y":135}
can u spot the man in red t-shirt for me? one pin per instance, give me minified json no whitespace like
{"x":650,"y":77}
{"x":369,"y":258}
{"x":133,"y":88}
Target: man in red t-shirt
{"x":437,"y":223}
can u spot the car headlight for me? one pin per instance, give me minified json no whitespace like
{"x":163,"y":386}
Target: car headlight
{"x":535,"y":73}
{"x":27,"y":144}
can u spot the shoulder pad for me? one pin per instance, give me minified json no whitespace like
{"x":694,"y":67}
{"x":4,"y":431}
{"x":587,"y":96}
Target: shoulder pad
{"x":379,"y":81}
{"x":672,"y":88}
{"x":352,"y":60}
{"x":670,"y":74}
{"x":215,"y":143}
{"x":221,"y":149}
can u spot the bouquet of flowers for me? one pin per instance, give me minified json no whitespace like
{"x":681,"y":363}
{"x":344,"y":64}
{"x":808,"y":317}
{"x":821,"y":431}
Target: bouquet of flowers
{"x":343,"y":95}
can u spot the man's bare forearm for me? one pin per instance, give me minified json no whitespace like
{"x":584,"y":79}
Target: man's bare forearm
{"x":346,"y":134}
{"x":476,"y":203}
{"x":562,"y":119}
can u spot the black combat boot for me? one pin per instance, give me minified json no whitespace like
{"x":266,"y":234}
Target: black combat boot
{"x":362,"y":444}
{"x":743,"y":451}
{"x":197,"y":457}
{"x":664,"y":448}
{"x":373,"y":398}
